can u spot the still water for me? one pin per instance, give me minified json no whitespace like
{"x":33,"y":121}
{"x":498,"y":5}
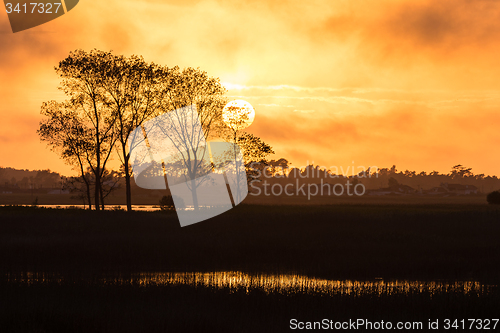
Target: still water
{"x":140,"y":208}
{"x":285,"y":284}
{"x":147,"y":208}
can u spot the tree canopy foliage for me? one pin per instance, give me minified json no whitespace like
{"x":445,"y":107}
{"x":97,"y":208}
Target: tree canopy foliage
{"x":109,"y":96}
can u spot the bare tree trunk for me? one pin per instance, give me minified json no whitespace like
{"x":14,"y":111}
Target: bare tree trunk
{"x":128,"y":190}
{"x":88,"y":197}
{"x":102,"y":197}
{"x":97,"y":189}
{"x":193,"y":192}
{"x":97,"y":192}
{"x":87,"y":186}
{"x":97,"y":170}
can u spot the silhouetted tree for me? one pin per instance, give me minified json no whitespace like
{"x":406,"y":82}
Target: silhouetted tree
{"x":83,"y":74}
{"x":253,"y":148}
{"x":66,"y":132}
{"x":78,"y":186}
{"x":191,"y":104}
{"x":278,"y":166}
{"x":493,"y":198}
{"x":459,"y":171}
{"x":132,"y":85}
{"x":167,"y":202}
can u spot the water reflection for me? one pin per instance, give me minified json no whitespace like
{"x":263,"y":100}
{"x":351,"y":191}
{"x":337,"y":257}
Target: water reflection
{"x":142,"y":208}
{"x":137,"y":208}
{"x":286,"y":284}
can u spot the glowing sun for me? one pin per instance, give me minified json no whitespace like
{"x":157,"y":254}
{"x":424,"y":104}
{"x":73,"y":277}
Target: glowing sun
{"x":238,"y":114}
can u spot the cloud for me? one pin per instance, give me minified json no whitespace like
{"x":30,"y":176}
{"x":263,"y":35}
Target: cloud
{"x":304,"y":111}
{"x":408,"y":82}
{"x":408,"y":137}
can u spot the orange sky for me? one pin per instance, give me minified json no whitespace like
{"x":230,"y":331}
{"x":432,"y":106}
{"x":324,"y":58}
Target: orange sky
{"x":411,"y":83}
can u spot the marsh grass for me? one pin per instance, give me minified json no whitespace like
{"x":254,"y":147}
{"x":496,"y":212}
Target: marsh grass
{"x":133,"y":308}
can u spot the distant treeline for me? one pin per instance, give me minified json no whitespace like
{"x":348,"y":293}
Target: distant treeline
{"x":19,"y":179}
{"x":458,"y":174}
{"x":374,"y":179}
{"x":11,"y":178}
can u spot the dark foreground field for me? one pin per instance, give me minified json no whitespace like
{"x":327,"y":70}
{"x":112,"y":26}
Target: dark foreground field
{"x":358,"y":242}
{"x":353,"y":241}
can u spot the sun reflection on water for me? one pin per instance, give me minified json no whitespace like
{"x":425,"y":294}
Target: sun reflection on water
{"x":286,"y":284}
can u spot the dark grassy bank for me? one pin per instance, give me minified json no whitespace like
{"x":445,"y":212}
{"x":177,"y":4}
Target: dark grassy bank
{"x":340,"y":242}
